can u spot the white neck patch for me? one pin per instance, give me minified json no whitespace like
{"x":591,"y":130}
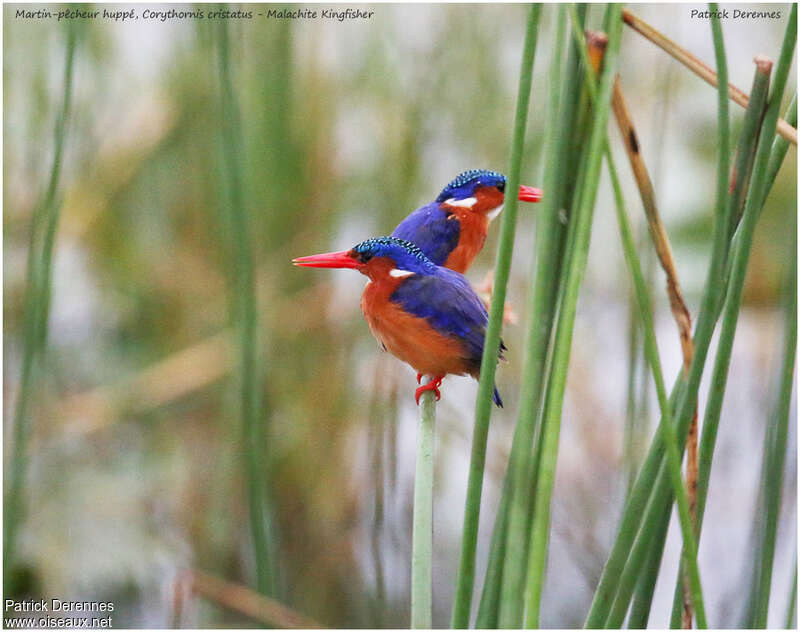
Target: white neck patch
{"x":494,"y":212}
{"x":399,"y":274}
{"x":466,"y":202}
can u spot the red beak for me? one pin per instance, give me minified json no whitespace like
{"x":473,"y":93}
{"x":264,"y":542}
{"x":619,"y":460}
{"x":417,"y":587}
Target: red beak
{"x":529,"y":194}
{"x":328,"y":260}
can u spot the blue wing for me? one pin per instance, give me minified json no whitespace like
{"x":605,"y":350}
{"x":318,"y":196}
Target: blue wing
{"x":448,"y":302}
{"x":430,"y":229}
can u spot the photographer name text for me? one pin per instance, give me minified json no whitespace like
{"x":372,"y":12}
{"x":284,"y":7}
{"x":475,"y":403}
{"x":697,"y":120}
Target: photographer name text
{"x":735,"y":14}
{"x":48,"y":613}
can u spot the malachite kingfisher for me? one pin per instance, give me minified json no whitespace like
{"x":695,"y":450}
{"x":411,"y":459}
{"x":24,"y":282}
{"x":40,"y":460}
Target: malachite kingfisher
{"x":424,"y":314}
{"x":452,"y":229}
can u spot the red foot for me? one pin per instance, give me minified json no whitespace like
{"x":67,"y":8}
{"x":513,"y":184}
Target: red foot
{"x":419,"y":378}
{"x":433,"y":385}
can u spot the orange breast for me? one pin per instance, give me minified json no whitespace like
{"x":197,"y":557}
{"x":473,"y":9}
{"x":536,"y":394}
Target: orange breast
{"x":474,"y":227}
{"x":408,"y":337}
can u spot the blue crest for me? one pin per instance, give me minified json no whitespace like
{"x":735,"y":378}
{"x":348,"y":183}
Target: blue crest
{"x":464,"y":184}
{"x":405,"y":254}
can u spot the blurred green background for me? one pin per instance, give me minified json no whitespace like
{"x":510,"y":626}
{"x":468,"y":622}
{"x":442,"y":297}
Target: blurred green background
{"x":136,"y":470}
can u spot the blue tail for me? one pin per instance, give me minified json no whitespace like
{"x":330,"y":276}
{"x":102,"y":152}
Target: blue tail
{"x":496,"y":398}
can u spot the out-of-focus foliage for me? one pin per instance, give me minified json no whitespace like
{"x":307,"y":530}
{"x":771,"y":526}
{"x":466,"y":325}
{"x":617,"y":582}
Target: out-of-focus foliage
{"x":136,"y":460}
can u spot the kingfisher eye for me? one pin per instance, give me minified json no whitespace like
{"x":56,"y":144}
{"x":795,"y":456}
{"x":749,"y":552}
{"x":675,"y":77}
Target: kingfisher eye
{"x":363,"y":257}
{"x":501,"y":186}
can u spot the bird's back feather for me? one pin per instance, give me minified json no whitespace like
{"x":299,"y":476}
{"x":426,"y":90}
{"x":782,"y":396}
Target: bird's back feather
{"x":430,"y":229}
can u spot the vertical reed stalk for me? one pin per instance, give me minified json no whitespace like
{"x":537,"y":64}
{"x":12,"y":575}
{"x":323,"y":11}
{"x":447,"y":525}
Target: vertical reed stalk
{"x":648,"y":503}
{"x":789,"y":622}
{"x":541,"y":309}
{"x":666,"y":428}
{"x":661,"y":495}
{"x":776,"y":455}
{"x":245,"y":314}
{"x":632,"y":410}
{"x":646,"y":584}
{"x":489,"y":605}
{"x":651,"y":482}
{"x":780,"y":146}
{"x":748,"y":140}
{"x":483,"y":406}
{"x":651,"y":350}
{"x":677,"y":303}
{"x":575,"y":268}
{"x":563,"y":108}
{"x":747,"y":143}
{"x":37,"y":308}
{"x":422,"y":533}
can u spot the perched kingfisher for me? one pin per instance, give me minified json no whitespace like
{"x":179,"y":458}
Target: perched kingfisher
{"x":424,"y":314}
{"x":452,"y":229}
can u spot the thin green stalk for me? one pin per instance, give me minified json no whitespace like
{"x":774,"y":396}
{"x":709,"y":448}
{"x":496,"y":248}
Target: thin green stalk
{"x":746,"y":150}
{"x":619,"y":608}
{"x":561,"y":115}
{"x":244,"y":303}
{"x":489,"y":605}
{"x":422,"y":533}
{"x":631,"y":409}
{"x":789,"y":622}
{"x":662,"y":493}
{"x":646,"y":585}
{"x":564,"y":328}
{"x":666,"y":428}
{"x":744,"y":162}
{"x":483,"y":406}
{"x":776,"y":456}
{"x":541,"y":308}
{"x":780,"y":146}
{"x":37,"y":307}
{"x":640,"y":515}
{"x":632,"y":517}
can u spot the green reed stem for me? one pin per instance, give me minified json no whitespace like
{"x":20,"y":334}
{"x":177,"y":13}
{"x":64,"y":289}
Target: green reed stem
{"x":541,"y":310}
{"x":776,"y":456}
{"x":422,"y":533}
{"x":642,"y":519}
{"x":745,"y":157}
{"x":620,"y":605}
{"x":632,"y":410}
{"x":483,"y":405}
{"x":646,"y":585}
{"x":666,"y":428}
{"x":489,"y":604}
{"x":746,"y":150}
{"x":244,"y":308}
{"x":36,"y":312}
{"x":662,"y":494}
{"x":576,"y":265}
{"x":561,"y":116}
{"x":780,"y":146}
{"x":789,"y":622}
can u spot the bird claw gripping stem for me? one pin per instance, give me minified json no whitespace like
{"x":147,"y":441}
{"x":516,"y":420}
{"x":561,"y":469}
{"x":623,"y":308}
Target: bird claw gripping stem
{"x":433,"y":385}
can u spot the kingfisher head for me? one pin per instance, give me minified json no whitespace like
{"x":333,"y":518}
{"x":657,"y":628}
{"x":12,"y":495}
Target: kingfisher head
{"x":482,"y":191}
{"x":380,"y":258}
